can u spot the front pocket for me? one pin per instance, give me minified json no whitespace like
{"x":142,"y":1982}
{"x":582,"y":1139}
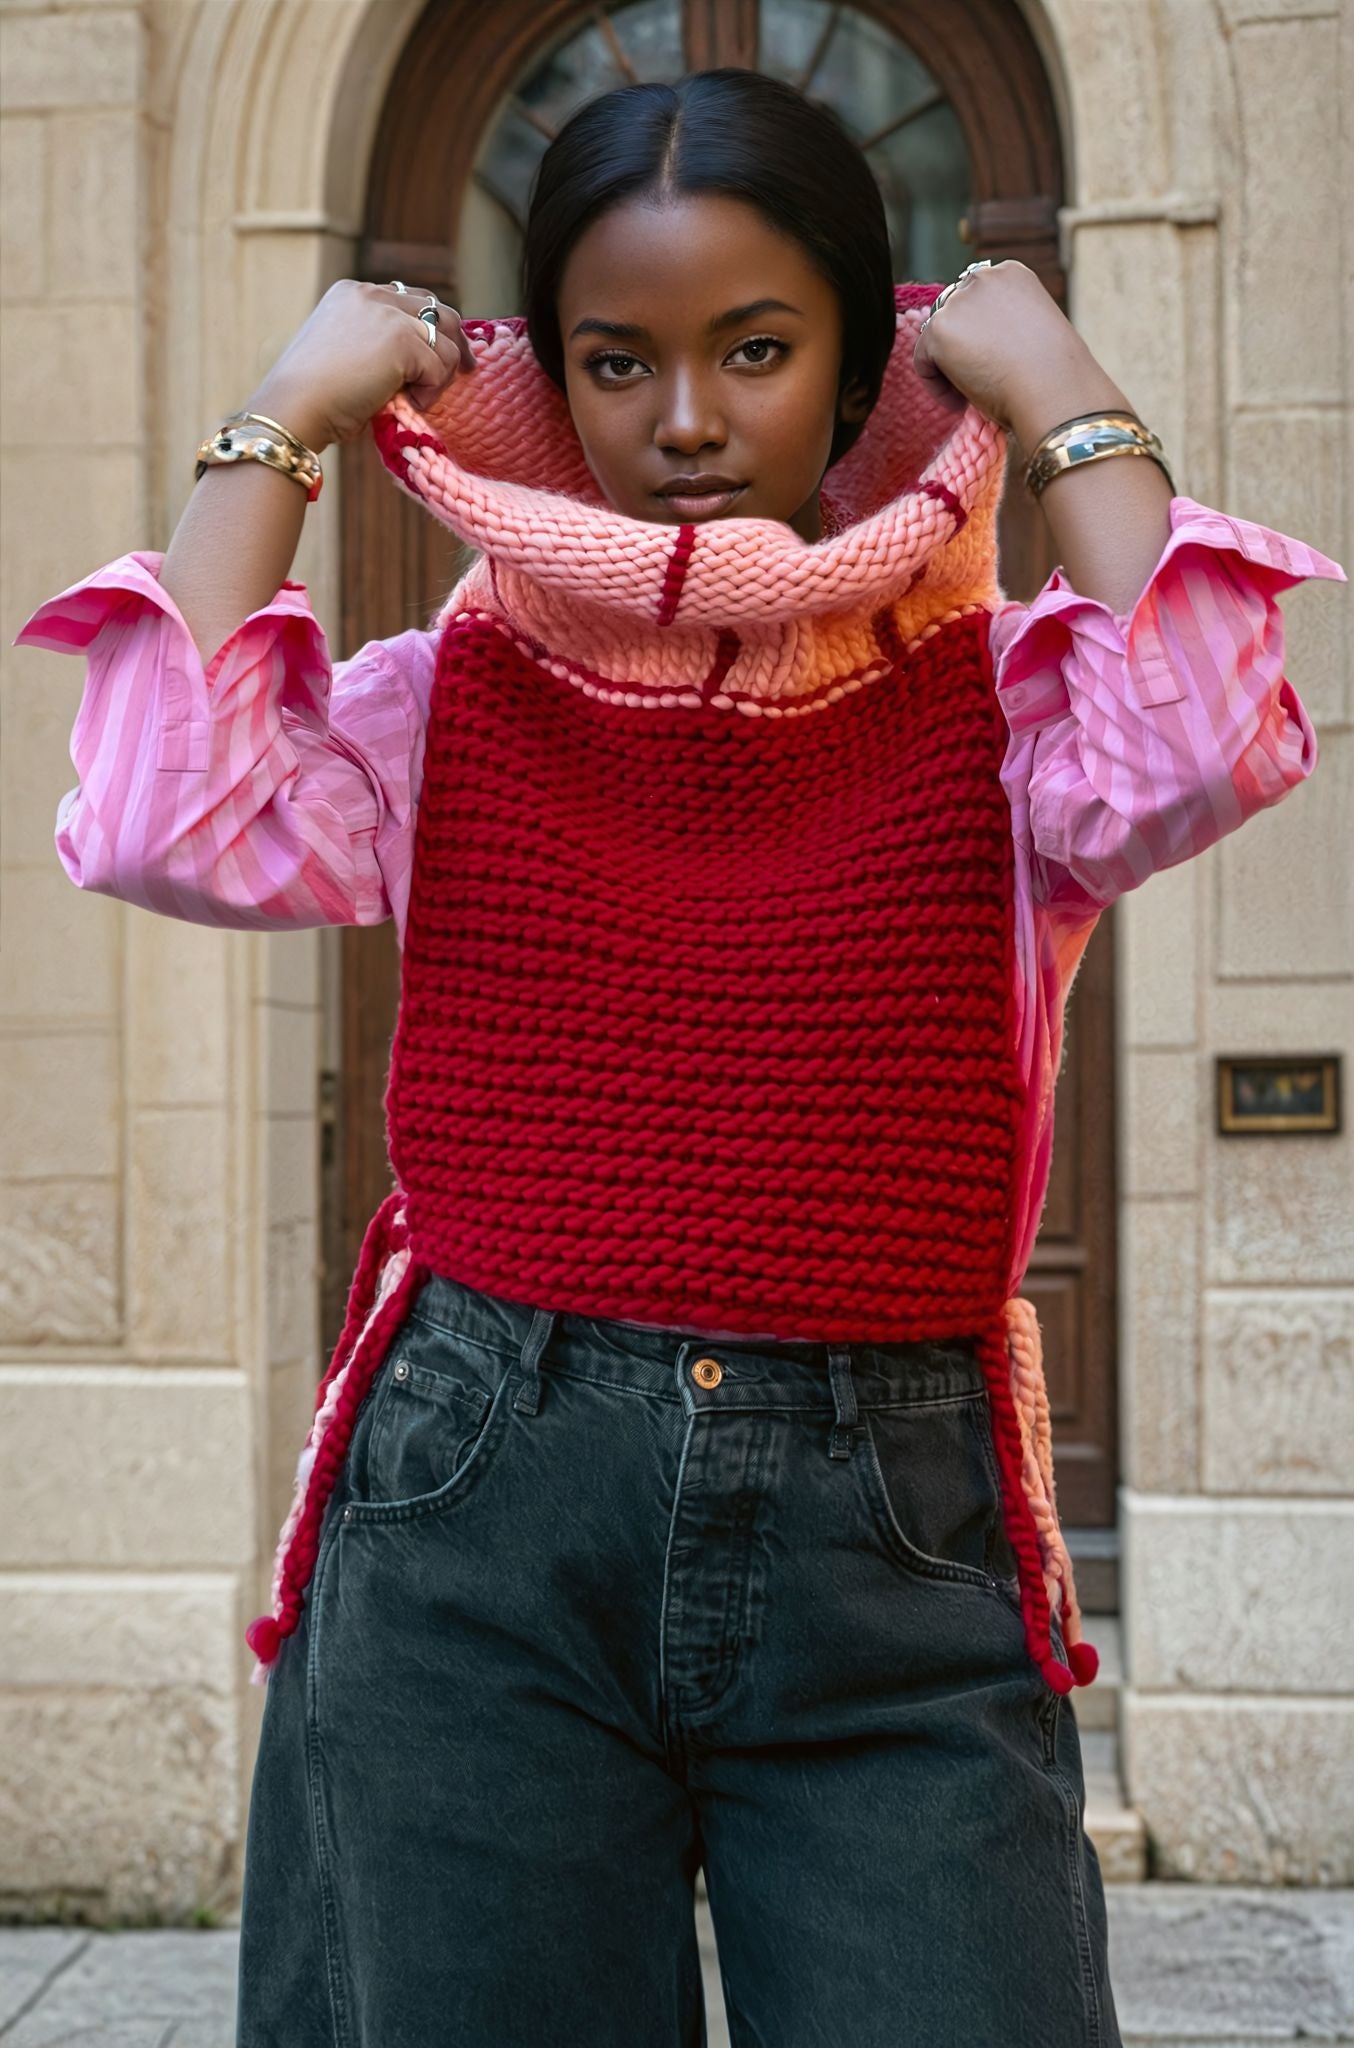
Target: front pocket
{"x":430,"y":1411}
{"x":422,"y":1431}
{"x":934,"y":1491}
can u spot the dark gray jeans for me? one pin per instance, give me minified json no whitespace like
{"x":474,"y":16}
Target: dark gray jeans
{"x":595,"y":1605}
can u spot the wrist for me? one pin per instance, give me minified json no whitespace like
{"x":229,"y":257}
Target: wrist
{"x":291,"y":410}
{"x":1059,"y":391}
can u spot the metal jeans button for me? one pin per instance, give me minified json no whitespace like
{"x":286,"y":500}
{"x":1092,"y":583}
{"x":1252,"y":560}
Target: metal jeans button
{"x":708,"y":1371}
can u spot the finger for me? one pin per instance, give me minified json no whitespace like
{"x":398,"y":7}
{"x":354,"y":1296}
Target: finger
{"x":415,"y":297}
{"x":430,"y":373}
{"x":467,"y":352}
{"x":934,"y":381}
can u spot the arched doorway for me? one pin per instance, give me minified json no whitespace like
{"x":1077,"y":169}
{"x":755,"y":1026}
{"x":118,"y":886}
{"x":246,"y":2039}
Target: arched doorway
{"x":954,"y":111}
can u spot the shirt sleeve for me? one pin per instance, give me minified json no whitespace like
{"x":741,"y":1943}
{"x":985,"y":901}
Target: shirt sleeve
{"x":270,"y":792}
{"x":1136,"y":740}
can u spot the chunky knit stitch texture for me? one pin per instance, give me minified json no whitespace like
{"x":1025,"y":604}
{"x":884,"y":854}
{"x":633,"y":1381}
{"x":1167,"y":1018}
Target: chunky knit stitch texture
{"x":637,"y":1073}
{"x":707,"y":1009}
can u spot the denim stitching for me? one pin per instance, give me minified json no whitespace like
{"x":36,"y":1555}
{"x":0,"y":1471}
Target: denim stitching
{"x":1081,"y":1924}
{"x":461,"y":1429}
{"x":425,"y":1506}
{"x":461,"y":1336}
{"x":737,"y":1591}
{"x":671,"y":1736}
{"x":910,"y":1557}
{"x":333,"y":1966}
{"x":1009,"y":1587}
{"x":754,"y":1405}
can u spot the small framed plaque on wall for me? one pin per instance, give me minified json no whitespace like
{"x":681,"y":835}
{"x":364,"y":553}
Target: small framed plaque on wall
{"x":1275,"y":1094}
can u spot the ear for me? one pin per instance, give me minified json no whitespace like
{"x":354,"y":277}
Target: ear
{"x":853,"y":403}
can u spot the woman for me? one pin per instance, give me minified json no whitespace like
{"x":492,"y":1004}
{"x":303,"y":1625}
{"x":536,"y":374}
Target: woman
{"x":680,"y":1489}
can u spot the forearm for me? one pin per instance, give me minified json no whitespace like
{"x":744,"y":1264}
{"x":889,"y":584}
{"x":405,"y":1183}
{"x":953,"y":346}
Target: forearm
{"x":1109,"y":519}
{"x":237,"y":537}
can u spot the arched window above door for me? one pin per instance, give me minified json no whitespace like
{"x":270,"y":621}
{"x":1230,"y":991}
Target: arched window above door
{"x":887,"y":99}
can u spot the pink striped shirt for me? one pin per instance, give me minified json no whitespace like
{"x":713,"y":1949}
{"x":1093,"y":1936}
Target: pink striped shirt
{"x":279,"y":790}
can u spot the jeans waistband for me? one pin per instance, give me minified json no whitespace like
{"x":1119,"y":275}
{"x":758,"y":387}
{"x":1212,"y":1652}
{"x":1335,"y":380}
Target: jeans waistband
{"x":753,"y":1373}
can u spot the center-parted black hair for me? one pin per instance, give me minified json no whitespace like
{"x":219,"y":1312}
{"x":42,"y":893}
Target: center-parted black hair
{"x":746,"y":136}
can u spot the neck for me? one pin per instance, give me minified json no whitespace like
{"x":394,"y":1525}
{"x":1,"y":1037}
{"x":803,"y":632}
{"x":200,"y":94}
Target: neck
{"x":808,"y":520}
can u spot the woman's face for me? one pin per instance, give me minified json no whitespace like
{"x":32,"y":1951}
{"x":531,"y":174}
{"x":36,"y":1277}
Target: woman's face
{"x":673,"y":368}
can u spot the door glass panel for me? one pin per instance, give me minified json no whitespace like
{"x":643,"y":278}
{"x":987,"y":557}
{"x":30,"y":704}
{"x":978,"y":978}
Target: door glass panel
{"x":892,"y":106}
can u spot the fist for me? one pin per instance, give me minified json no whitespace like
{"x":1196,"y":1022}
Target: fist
{"x":997,"y":332}
{"x":361,"y":344}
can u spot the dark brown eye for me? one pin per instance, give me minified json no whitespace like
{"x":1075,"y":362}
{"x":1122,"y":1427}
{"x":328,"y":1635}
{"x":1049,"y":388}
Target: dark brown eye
{"x":764,"y":341}
{"x":612,"y":356}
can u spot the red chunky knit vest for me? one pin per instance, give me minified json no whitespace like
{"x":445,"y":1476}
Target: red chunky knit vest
{"x":710,"y":1020}
{"x":707,"y":1012}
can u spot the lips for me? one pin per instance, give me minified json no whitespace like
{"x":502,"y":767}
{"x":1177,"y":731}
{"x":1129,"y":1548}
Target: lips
{"x":693,"y":503}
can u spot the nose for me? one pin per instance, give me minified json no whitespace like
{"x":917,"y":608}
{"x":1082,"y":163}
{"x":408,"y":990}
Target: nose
{"x":689,"y":420}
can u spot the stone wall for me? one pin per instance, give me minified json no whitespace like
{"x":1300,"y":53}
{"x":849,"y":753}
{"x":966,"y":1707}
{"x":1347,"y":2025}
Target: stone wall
{"x":158,"y":1344}
{"x":172,"y":207}
{"x":1208,"y":249}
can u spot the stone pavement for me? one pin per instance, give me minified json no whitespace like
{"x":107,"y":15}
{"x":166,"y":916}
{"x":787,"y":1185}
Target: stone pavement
{"x":1194,"y":1967}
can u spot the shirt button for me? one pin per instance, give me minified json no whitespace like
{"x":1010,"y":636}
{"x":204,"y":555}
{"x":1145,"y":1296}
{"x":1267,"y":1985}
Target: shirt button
{"x":708,"y":1371}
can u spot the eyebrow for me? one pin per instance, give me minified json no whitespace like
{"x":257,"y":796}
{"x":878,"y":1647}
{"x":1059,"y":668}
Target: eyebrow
{"x":626,"y":330}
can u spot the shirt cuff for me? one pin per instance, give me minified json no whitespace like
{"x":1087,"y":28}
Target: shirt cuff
{"x":67,"y":622}
{"x":1027,"y":639}
{"x":191,"y":698}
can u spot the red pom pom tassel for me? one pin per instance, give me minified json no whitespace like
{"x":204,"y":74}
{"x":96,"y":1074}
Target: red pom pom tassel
{"x":1057,"y":1674}
{"x":1084,"y":1659}
{"x":264,"y":1638}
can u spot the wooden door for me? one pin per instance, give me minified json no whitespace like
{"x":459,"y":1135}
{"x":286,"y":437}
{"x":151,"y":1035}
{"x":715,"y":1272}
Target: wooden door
{"x":953,"y":109}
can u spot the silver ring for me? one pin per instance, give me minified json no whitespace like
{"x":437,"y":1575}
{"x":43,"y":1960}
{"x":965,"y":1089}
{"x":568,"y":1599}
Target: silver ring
{"x":983,"y":263}
{"x":396,"y":286}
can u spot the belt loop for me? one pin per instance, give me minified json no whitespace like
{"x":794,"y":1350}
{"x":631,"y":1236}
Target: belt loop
{"x":528,"y":1396}
{"x":842,"y":1441}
